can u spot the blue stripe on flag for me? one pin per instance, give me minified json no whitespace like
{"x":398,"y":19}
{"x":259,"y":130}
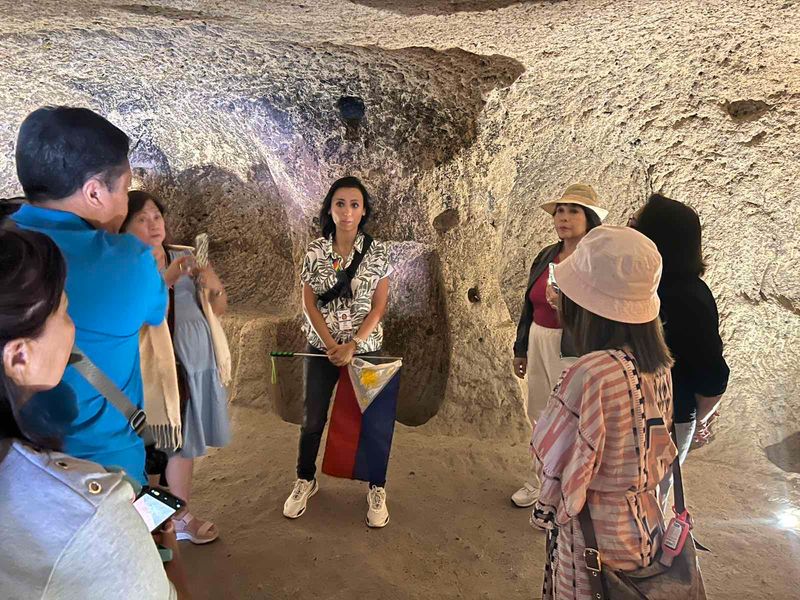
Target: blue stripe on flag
{"x":377,"y":430}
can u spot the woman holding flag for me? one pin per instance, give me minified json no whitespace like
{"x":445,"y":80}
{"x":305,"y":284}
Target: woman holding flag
{"x":345,"y":278}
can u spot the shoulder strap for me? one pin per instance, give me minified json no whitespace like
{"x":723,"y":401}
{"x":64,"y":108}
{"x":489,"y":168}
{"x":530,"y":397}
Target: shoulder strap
{"x":345,"y":276}
{"x":359,"y":256}
{"x":591,"y":553}
{"x":103,"y":384}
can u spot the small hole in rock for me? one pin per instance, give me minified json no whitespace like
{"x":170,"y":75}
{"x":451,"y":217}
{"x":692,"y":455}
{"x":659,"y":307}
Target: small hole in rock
{"x":473,"y":295}
{"x":446,"y":220}
{"x":351,"y":109}
{"x":746,"y":110}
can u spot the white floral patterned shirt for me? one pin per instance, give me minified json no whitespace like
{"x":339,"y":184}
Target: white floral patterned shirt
{"x":320,"y":265}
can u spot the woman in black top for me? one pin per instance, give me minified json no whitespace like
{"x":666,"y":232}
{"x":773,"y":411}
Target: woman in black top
{"x":689,"y":314}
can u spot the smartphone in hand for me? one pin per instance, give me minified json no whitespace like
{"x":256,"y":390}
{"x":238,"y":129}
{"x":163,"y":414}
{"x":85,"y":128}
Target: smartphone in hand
{"x":551,"y":276}
{"x":155,"y":506}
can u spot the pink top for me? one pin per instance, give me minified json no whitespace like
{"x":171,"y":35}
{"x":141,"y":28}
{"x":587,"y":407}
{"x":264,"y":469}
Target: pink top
{"x":544,"y":315}
{"x":597,"y":442}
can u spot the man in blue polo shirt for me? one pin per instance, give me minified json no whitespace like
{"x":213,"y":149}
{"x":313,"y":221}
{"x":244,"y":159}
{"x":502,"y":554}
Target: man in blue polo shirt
{"x":73,"y":166}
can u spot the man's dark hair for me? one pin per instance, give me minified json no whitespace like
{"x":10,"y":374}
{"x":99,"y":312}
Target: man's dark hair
{"x":325,"y":218}
{"x":60,"y":148}
{"x":675,"y":229}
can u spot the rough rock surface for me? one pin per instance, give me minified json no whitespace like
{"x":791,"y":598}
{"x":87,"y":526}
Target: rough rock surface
{"x":461,"y":116}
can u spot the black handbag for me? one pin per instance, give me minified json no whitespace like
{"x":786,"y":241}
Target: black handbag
{"x":682,"y":580}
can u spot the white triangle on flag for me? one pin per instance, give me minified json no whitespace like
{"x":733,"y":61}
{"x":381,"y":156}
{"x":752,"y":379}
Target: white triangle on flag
{"x":369,"y":379}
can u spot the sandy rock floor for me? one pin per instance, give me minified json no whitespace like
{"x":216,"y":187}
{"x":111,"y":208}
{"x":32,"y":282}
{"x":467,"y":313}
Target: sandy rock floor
{"x":453,"y":531}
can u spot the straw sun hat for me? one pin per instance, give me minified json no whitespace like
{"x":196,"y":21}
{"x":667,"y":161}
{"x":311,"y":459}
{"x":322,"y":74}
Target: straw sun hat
{"x":581,"y":194}
{"x":614,"y":272}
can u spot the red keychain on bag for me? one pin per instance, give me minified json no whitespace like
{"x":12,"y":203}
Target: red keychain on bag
{"x":675,"y":537}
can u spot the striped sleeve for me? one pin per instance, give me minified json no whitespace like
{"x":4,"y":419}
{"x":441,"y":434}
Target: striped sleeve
{"x":569,"y":438}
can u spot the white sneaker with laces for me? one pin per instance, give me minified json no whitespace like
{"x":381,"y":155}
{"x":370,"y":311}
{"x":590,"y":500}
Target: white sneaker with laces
{"x":295,"y":504}
{"x":525,"y":496}
{"x":378,"y":513}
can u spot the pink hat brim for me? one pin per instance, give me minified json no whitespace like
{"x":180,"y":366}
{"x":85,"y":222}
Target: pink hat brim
{"x":584,"y":294}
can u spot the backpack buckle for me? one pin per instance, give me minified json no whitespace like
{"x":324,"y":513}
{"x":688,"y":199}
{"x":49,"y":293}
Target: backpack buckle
{"x":138,"y":421}
{"x":592,"y":558}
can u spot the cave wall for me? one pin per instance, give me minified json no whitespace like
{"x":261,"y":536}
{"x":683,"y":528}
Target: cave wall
{"x":461,"y":117}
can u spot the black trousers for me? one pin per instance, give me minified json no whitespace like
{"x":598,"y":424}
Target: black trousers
{"x":320,"y":376}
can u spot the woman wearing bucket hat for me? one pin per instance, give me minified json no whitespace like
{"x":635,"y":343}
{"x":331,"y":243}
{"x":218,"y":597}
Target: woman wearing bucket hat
{"x":540,"y":349}
{"x":689,"y":313}
{"x":604,"y":438}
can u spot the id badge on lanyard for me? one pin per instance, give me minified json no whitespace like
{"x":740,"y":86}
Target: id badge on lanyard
{"x":344,"y":319}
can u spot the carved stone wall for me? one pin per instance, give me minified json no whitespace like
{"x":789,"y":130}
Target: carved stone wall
{"x":461,"y":117}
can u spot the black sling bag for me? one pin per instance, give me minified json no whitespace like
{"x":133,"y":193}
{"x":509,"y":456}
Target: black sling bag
{"x":342,"y":288}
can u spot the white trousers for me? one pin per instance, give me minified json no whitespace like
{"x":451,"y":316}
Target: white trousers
{"x":545,"y":365}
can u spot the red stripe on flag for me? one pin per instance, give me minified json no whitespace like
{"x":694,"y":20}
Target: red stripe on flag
{"x":344,"y":430}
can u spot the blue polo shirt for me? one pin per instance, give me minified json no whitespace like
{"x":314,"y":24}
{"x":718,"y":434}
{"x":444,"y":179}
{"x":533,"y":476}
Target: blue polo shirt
{"x":114,"y":288}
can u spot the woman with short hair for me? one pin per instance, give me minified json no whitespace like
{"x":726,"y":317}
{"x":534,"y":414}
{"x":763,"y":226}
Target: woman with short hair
{"x":603,"y":441}
{"x":541,"y":349}
{"x":689,"y":313}
{"x":205,"y":420}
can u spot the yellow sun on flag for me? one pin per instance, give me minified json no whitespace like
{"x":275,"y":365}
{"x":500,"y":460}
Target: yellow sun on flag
{"x":369,"y":379}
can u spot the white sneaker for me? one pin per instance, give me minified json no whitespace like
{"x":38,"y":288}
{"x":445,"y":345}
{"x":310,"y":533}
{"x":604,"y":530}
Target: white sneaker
{"x":377,"y":514}
{"x":525,"y":496}
{"x":295,"y":504}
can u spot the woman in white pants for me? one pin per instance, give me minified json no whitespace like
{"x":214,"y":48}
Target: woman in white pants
{"x":541,"y":349}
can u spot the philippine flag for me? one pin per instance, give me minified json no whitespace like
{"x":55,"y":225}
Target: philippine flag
{"x":362,"y":421}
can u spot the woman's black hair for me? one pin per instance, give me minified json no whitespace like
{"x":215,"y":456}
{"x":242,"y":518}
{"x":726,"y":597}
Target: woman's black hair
{"x":32,"y":276}
{"x":136,"y":201}
{"x":675,"y":229}
{"x":326,"y":220}
{"x":592,"y":219}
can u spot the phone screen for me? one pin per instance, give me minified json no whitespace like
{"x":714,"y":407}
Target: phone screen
{"x":156,"y":506}
{"x":551,"y":276}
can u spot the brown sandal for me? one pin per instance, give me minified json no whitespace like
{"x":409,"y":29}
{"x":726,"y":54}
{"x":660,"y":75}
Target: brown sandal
{"x":195,"y":530}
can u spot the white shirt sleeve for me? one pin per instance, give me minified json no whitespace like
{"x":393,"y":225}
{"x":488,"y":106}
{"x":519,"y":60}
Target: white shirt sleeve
{"x":111,"y":556}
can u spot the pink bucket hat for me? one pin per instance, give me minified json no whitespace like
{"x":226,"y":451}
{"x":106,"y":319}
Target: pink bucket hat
{"x":614,"y":272}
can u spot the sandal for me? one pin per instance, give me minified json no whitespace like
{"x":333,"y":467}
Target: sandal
{"x":195,"y":530}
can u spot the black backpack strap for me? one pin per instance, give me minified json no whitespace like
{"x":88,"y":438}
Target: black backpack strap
{"x":591,"y":554}
{"x":342,"y":287}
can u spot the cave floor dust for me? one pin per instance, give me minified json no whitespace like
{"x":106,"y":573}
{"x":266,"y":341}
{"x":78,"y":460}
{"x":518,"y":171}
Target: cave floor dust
{"x":453,"y":531}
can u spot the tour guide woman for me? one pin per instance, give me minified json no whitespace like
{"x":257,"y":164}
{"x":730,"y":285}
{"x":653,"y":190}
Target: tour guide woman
{"x":342,"y":321}
{"x":541,"y":350}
